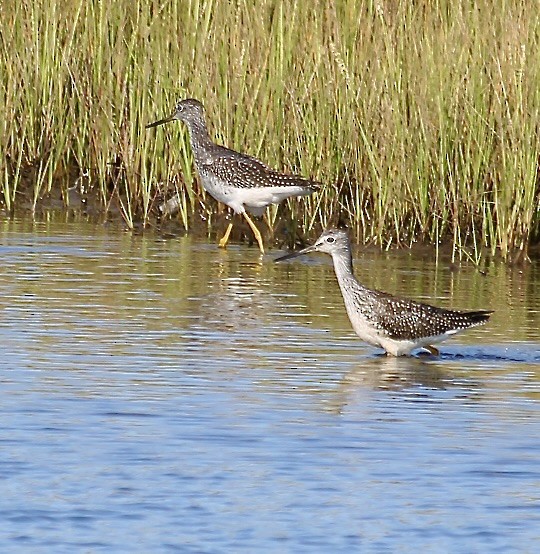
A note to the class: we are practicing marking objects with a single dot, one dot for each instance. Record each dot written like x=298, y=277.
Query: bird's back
x=244, y=171
x=405, y=319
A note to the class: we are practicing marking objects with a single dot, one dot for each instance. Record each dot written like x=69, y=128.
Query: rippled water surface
x=169, y=396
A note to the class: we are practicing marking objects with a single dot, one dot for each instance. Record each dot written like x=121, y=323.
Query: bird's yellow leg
x=432, y=350
x=224, y=240
x=256, y=232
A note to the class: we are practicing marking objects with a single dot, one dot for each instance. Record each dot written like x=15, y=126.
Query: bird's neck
x=199, y=137
x=343, y=263
x=343, y=268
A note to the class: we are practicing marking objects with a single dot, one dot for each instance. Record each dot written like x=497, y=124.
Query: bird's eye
x=330, y=240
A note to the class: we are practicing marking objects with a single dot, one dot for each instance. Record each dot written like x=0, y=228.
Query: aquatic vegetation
x=421, y=120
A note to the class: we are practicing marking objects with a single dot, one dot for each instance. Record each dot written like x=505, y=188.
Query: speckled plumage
x=240, y=181
x=396, y=324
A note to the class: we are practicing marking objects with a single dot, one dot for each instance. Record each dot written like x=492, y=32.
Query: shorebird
x=398, y=325
x=240, y=181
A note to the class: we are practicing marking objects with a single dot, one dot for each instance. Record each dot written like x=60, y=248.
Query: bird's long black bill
x=295, y=254
x=160, y=122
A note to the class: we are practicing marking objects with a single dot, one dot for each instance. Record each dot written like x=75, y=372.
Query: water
x=169, y=396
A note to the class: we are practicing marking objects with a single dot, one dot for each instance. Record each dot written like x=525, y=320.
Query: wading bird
x=396, y=324
x=240, y=181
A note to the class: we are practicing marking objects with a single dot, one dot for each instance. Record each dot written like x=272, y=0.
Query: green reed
x=420, y=119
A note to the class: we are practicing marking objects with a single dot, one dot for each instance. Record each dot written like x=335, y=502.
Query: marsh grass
x=420, y=117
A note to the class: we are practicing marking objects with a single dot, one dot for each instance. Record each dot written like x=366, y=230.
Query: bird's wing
x=405, y=319
x=249, y=172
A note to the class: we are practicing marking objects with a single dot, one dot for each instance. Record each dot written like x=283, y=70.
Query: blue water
x=168, y=396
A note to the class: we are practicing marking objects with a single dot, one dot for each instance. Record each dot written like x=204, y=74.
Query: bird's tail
x=479, y=316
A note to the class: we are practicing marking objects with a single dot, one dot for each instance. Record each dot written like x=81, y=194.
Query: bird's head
x=331, y=241
x=188, y=111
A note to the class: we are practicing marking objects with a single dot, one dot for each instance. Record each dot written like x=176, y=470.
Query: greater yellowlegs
x=240, y=181
x=396, y=324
